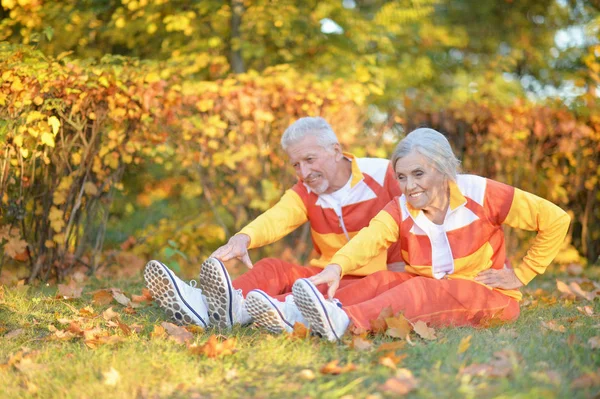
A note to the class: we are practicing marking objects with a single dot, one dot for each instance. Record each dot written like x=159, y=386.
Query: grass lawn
x=552, y=351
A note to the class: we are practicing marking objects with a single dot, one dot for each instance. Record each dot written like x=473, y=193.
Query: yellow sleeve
x=530, y=212
x=285, y=216
x=381, y=232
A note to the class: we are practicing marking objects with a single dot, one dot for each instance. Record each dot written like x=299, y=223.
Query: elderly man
x=336, y=192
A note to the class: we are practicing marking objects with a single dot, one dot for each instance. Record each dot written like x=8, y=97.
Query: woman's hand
x=236, y=247
x=330, y=275
x=504, y=278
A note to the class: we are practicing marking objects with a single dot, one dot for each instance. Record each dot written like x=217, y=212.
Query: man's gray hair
x=309, y=126
x=432, y=145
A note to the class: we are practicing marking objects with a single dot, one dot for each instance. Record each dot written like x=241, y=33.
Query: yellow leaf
x=90, y=188
x=48, y=139
x=38, y=100
x=55, y=123
x=103, y=81
x=465, y=343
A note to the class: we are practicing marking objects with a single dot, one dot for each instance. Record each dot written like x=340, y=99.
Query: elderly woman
x=449, y=227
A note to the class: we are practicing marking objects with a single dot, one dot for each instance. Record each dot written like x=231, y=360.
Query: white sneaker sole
x=161, y=283
x=216, y=286
x=265, y=314
x=309, y=303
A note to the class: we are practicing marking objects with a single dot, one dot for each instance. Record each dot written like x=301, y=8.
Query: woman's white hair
x=309, y=126
x=432, y=145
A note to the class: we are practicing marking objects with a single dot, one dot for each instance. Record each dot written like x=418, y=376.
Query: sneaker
x=271, y=314
x=183, y=302
x=325, y=317
x=225, y=304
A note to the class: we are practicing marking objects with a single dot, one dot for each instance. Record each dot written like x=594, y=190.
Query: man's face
x=315, y=165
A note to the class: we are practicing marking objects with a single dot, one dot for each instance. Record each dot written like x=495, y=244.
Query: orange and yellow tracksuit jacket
x=372, y=186
x=473, y=229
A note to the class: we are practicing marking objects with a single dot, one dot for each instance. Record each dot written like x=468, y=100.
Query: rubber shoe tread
x=161, y=283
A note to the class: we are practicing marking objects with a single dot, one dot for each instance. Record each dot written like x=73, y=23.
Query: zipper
x=342, y=225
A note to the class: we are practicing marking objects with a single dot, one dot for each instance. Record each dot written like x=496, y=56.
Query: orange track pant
x=276, y=277
x=437, y=302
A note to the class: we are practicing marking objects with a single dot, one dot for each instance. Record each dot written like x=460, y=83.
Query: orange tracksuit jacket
x=373, y=185
x=478, y=209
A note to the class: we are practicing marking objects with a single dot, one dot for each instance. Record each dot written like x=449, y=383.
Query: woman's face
x=423, y=185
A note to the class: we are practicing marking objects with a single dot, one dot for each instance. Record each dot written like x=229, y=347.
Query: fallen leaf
x=177, y=333
x=586, y=310
x=70, y=291
x=379, y=325
x=307, y=374
x=145, y=297
x=109, y=314
x=129, y=310
x=403, y=383
x=594, y=342
x=87, y=311
x=361, y=344
x=424, y=332
x=332, y=368
x=548, y=377
x=102, y=297
x=111, y=377
x=214, y=347
x=120, y=297
x=501, y=366
x=551, y=325
x=587, y=380
x=300, y=331
x=398, y=326
x=391, y=346
x=391, y=360
x=159, y=332
x=575, y=288
x=14, y=333
x=465, y=343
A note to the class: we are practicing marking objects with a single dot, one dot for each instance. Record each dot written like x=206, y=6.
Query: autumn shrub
x=71, y=128
x=546, y=149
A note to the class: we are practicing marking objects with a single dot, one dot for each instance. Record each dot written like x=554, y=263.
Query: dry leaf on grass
x=587, y=380
x=552, y=325
x=465, y=343
x=109, y=314
x=307, y=374
x=500, y=366
x=145, y=297
x=177, y=333
x=14, y=333
x=300, y=331
x=594, y=342
x=379, y=325
x=424, y=332
x=111, y=377
x=214, y=347
x=391, y=346
x=573, y=290
x=102, y=297
x=391, y=360
x=361, y=344
x=398, y=326
x=69, y=291
x=332, y=368
x=586, y=310
x=159, y=332
x=403, y=383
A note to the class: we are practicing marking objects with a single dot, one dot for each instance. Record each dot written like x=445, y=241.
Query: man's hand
x=236, y=247
x=331, y=276
x=505, y=278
